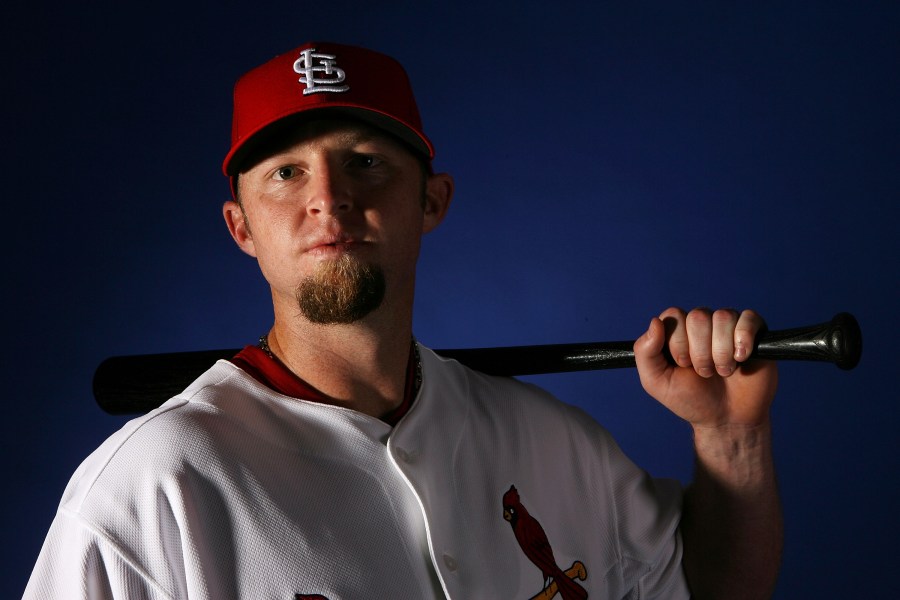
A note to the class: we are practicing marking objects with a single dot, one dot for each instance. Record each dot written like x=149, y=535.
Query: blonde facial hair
x=341, y=291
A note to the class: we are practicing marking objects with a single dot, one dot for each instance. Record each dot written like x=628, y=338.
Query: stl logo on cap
x=312, y=62
x=267, y=98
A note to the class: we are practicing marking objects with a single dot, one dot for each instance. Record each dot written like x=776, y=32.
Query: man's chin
x=343, y=290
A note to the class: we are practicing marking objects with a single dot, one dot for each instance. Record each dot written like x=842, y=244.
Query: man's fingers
x=710, y=342
x=748, y=325
x=648, y=355
x=724, y=322
x=649, y=346
x=676, y=336
x=699, y=334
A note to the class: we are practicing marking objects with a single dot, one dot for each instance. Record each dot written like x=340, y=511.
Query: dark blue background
x=611, y=159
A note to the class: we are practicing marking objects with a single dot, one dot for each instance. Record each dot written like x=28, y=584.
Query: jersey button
x=406, y=456
x=450, y=562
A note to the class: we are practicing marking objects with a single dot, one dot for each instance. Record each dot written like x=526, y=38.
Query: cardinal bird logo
x=536, y=546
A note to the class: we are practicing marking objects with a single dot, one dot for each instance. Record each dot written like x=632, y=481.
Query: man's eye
x=363, y=161
x=285, y=173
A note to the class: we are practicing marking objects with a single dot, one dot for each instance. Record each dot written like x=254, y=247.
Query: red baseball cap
x=321, y=76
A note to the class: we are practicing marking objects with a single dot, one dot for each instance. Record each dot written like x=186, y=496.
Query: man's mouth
x=333, y=246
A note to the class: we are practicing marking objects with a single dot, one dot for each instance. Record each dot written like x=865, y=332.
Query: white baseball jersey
x=231, y=490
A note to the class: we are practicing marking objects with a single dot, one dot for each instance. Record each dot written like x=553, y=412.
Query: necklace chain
x=264, y=346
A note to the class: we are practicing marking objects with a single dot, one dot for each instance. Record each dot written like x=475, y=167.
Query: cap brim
x=244, y=155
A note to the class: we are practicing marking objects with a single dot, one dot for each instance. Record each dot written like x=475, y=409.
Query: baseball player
x=340, y=458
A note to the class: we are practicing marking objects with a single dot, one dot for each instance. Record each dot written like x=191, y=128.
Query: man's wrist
x=735, y=456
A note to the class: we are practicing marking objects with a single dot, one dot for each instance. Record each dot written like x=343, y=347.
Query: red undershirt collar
x=272, y=373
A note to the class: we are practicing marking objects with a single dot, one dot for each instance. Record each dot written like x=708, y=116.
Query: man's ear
x=238, y=226
x=438, y=193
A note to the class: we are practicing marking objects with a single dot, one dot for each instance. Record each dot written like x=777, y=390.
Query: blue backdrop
x=611, y=159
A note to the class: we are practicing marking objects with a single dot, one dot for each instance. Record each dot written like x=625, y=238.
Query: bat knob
x=844, y=340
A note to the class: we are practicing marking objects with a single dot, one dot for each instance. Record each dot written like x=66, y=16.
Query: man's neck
x=361, y=366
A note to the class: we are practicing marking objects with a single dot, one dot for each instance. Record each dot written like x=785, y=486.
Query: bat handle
x=838, y=341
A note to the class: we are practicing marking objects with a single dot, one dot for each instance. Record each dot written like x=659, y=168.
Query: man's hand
x=731, y=522
x=709, y=385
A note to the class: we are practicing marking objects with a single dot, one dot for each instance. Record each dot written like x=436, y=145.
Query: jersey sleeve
x=78, y=562
x=647, y=514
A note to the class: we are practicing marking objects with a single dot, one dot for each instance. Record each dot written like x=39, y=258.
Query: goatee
x=341, y=291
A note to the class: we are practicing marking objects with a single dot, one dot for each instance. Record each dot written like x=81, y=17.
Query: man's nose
x=329, y=193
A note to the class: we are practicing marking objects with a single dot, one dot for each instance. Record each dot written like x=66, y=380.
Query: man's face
x=335, y=217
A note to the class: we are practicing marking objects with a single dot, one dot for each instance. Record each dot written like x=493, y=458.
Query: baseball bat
x=135, y=384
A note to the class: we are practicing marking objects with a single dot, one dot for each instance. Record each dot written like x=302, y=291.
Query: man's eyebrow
x=349, y=137
x=362, y=136
x=358, y=137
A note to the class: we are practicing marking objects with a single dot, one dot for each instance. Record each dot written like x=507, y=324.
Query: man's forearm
x=732, y=524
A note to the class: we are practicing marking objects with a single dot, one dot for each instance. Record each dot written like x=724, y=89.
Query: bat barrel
x=135, y=384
